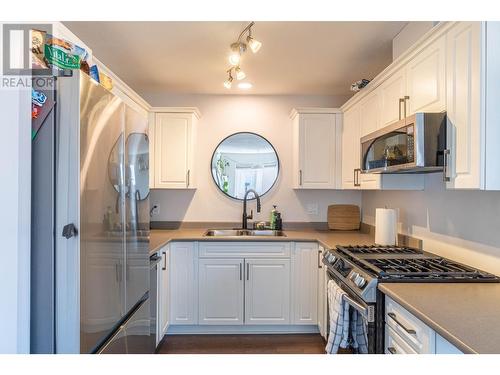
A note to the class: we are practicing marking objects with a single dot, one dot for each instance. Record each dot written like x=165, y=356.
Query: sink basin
x=244, y=233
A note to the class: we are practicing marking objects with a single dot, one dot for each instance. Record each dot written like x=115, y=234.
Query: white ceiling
x=300, y=58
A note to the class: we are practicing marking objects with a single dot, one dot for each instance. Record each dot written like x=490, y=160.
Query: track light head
x=254, y=44
x=240, y=74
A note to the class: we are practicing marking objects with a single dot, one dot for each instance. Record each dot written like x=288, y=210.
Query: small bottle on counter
x=272, y=221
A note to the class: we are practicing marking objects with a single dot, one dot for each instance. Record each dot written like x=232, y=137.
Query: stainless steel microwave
x=415, y=144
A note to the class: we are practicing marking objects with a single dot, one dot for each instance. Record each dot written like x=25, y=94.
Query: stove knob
x=360, y=281
x=354, y=276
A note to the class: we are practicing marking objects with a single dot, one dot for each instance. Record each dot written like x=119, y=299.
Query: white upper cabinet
x=316, y=148
x=351, y=149
x=172, y=148
x=473, y=113
x=392, y=92
x=370, y=113
x=426, y=80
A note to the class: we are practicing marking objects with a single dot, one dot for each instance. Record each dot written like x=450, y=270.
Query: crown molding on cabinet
x=122, y=88
x=194, y=110
x=295, y=111
x=429, y=37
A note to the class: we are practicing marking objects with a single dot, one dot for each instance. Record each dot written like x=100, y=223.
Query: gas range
x=361, y=268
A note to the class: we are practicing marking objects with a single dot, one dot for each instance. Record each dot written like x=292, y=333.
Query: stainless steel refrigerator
x=90, y=224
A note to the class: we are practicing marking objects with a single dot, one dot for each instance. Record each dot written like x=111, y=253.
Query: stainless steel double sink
x=244, y=233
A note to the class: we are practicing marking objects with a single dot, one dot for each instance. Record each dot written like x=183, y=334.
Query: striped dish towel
x=339, y=319
x=359, y=336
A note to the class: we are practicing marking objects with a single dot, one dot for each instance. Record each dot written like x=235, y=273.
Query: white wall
x=409, y=35
x=223, y=115
x=461, y=225
x=15, y=153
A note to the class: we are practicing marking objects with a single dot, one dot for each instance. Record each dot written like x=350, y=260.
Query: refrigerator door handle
x=69, y=231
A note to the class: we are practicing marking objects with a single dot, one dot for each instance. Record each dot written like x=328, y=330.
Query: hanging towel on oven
x=359, y=335
x=339, y=319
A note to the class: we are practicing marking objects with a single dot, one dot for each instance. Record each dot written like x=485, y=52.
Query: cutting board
x=343, y=217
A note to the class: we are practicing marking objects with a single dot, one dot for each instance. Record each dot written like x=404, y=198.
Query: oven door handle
x=361, y=309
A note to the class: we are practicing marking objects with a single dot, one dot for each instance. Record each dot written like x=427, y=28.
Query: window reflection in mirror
x=244, y=161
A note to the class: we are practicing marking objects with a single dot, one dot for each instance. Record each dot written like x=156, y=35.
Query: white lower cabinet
x=164, y=292
x=305, y=263
x=184, y=285
x=322, y=297
x=220, y=291
x=247, y=284
x=407, y=334
x=267, y=291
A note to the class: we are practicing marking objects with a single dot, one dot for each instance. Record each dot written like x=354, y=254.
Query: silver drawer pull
x=408, y=330
x=392, y=350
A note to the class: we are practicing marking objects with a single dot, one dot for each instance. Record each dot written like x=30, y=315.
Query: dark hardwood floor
x=242, y=344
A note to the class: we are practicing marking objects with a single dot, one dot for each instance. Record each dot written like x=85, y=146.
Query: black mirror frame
x=258, y=135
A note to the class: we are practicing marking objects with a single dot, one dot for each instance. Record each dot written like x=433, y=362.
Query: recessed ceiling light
x=244, y=85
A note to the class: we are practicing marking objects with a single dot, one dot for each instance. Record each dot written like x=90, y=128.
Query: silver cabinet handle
x=300, y=177
x=319, y=259
x=187, y=177
x=240, y=271
x=401, y=100
x=164, y=261
x=406, y=97
x=248, y=271
x=392, y=350
x=446, y=154
x=356, y=177
x=408, y=330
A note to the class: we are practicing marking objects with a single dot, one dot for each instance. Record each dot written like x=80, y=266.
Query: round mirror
x=134, y=174
x=245, y=161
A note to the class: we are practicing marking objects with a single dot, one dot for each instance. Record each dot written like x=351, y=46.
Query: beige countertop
x=329, y=239
x=466, y=314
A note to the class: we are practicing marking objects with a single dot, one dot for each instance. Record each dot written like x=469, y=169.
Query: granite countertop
x=328, y=239
x=466, y=314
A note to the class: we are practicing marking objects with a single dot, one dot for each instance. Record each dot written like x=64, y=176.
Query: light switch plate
x=312, y=208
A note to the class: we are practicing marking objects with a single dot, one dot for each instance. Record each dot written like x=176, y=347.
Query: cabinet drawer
x=244, y=249
x=394, y=344
x=411, y=329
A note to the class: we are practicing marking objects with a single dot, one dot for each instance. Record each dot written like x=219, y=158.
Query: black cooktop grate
x=425, y=268
x=373, y=250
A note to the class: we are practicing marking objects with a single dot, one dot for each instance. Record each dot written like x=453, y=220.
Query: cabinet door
x=305, y=263
x=220, y=291
x=317, y=151
x=184, y=283
x=426, y=80
x=464, y=106
x=391, y=91
x=370, y=113
x=322, y=297
x=350, y=148
x=172, y=149
x=164, y=292
x=267, y=291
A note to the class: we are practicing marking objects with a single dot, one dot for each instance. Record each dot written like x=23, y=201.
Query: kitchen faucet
x=244, y=223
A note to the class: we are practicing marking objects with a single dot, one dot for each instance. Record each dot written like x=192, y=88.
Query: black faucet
x=244, y=223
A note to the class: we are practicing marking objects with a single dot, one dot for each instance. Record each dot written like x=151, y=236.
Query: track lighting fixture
x=229, y=81
x=238, y=48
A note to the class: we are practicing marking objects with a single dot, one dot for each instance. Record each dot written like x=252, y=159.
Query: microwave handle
x=446, y=154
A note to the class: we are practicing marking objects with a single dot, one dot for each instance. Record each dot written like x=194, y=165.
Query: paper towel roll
x=386, y=226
